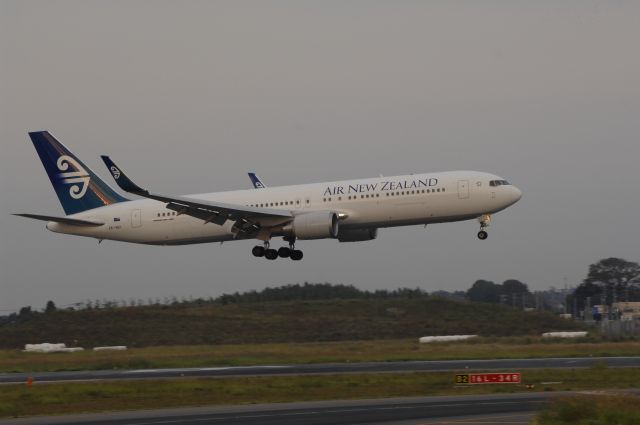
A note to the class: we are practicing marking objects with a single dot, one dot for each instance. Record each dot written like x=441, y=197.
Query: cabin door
x=463, y=189
x=136, y=218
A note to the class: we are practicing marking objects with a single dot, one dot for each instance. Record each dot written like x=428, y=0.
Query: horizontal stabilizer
x=63, y=220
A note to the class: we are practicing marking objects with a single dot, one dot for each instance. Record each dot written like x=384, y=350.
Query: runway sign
x=488, y=378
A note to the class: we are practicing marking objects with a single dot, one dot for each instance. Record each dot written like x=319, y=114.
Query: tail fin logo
x=115, y=172
x=79, y=175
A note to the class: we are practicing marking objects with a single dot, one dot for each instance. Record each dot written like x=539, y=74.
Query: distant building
x=629, y=310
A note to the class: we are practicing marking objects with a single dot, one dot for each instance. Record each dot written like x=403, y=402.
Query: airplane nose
x=517, y=194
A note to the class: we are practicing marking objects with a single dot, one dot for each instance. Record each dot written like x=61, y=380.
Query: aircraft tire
x=258, y=251
x=296, y=255
x=271, y=254
x=284, y=252
x=482, y=235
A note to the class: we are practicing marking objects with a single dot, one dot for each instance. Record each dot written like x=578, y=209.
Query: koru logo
x=115, y=172
x=80, y=175
x=259, y=185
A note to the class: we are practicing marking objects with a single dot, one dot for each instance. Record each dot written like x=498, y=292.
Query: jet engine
x=314, y=225
x=357, y=235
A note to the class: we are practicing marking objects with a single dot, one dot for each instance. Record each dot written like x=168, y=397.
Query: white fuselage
x=361, y=204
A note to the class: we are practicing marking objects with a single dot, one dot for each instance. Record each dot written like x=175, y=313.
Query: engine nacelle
x=357, y=235
x=314, y=225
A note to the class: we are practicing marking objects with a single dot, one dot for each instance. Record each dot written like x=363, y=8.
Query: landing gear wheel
x=258, y=251
x=482, y=235
x=296, y=255
x=271, y=254
x=284, y=252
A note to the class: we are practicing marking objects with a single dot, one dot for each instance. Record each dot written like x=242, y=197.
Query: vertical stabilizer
x=78, y=188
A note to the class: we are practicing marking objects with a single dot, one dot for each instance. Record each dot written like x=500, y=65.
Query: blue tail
x=77, y=187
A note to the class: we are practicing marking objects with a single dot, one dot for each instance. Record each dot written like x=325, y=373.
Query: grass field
x=584, y=410
x=320, y=352
x=47, y=399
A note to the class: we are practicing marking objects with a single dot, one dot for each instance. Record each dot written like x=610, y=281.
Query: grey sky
x=188, y=96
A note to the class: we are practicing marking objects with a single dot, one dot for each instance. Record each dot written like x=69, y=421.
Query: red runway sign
x=489, y=378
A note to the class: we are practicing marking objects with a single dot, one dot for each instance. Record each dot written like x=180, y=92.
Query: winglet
x=257, y=183
x=121, y=179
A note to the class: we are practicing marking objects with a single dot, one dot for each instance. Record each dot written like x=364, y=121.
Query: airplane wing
x=62, y=220
x=248, y=220
x=255, y=180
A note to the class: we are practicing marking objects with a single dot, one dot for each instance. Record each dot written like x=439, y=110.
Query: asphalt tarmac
x=399, y=411
x=325, y=368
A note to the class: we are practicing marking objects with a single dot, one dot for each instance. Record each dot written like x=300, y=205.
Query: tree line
x=608, y=281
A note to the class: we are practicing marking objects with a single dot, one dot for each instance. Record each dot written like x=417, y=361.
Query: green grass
x=592, y=410
x=48, y=399
x=301, y=353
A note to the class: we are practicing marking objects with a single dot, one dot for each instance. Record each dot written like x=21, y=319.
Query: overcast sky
x=188, y=96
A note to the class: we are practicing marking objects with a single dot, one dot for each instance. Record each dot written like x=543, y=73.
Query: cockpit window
x=499, y=183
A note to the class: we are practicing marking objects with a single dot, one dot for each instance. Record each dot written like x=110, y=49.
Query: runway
x=324, y=368
x=397, y=411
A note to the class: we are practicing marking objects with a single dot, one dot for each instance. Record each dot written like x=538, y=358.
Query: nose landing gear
x=485, y=220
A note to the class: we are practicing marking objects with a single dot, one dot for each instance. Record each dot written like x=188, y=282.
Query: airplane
x=348, y=211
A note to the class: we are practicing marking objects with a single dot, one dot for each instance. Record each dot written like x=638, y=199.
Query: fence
x=620, y=328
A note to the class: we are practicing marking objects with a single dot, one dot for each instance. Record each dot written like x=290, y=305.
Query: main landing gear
x=485, y=220
x=284, y=252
